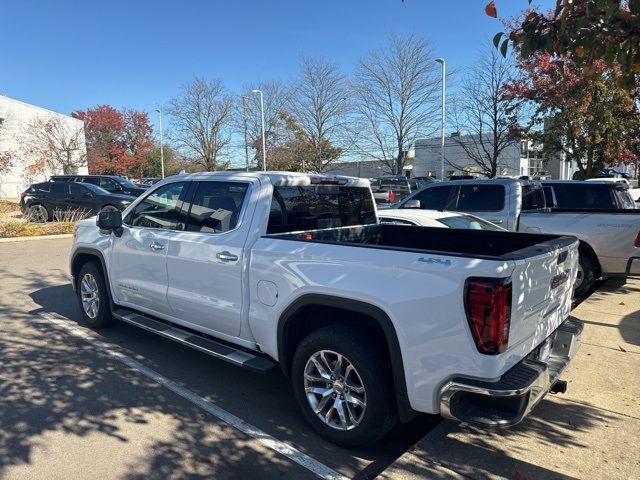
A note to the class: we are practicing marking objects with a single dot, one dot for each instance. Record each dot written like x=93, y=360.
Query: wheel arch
x=585, y=249
x=289, y=336
x=84, y=255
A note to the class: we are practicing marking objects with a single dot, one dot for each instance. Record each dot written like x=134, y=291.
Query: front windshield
x=468, y=222
x=96, y=189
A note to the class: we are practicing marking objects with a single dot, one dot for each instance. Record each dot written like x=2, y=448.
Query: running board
x=239, y=358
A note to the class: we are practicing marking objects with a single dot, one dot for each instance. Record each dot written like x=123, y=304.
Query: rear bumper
x=509, y=400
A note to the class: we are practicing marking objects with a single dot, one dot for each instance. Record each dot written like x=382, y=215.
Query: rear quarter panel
x=421, y=293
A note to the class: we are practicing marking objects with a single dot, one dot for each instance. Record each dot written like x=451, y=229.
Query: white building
x=16, y=120
x=518, y=159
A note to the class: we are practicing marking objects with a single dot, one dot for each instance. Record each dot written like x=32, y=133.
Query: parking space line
x=267, y=440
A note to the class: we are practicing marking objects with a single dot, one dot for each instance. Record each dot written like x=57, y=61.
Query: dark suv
x=110, y=183
x=44, y=201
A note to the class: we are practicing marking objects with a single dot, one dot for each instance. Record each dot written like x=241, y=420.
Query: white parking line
x=288, y=451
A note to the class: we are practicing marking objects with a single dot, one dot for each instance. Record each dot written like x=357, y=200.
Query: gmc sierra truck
x=372, y=322
x=600, y=215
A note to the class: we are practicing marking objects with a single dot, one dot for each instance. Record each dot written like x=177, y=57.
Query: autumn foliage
x=117, y=141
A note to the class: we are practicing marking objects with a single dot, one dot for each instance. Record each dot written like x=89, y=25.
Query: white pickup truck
x=372, y=322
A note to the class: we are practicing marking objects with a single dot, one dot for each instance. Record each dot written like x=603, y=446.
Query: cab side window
x=216, y=207
x=161, y=209
x=108, y=184
x=435, y=198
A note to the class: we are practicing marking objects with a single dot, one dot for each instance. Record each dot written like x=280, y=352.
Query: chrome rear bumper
x=509, y=400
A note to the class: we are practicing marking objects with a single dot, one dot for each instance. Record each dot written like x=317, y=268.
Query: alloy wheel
x=335, y=390
x=90, y=295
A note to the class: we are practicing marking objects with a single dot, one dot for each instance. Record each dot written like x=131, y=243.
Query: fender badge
x=435, y=261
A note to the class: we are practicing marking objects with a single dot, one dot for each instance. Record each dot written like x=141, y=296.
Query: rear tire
x=38, y=213
x=93, y=297
x=353, y=404
x=586, y=276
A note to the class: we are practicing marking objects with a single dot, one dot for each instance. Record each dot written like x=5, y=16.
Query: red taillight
x=488, y=307
x=392, y=196
x=637, y=242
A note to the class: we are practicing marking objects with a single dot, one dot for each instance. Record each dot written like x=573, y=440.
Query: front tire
x=93, y=297
x=343, y=384
x=38, y=213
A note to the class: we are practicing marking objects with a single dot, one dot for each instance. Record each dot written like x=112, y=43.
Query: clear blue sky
x=67, y=55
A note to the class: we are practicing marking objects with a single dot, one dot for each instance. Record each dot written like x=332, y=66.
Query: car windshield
x=96, y=189
x=125, y=183
x=468, y=222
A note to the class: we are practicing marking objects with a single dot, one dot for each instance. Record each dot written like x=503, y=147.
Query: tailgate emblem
x=559, y=279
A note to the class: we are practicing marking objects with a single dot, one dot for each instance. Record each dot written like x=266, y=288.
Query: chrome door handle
x=497, y=222
x=156, y=247
x=226, y=256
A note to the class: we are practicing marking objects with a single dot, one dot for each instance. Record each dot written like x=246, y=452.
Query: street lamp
x=159, y=110
x=444, y=72
x=264, y=144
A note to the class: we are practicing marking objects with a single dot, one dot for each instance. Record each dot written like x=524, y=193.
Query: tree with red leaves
x=587, y=115
x=117, y=141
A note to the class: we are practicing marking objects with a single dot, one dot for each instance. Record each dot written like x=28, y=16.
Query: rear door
x=205, y=262
x=138, y=270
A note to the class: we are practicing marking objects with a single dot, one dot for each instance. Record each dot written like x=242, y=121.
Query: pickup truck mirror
x=411, y=204
x=110, y=222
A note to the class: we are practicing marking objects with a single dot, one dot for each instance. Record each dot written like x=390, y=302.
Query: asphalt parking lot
x=123, y=403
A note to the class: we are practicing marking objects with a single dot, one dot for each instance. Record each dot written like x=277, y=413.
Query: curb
x=39, y=237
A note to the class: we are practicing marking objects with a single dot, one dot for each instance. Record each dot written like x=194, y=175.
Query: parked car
x=43, y=201
x=110, y=183
x=371, y=324
x=608, y=233
x=462, y=177
x=434, y=218
x=147, y=182
x=388, y=190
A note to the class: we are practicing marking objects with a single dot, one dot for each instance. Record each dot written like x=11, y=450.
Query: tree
x=586, y=30
x=277, y=96
x=200, y=117
x=171, y=164
x=117, y=141
x=395, y=92
x=320, y=108
x=54, y=145
x=487, y=113
x=588, y=116
x=6, y=157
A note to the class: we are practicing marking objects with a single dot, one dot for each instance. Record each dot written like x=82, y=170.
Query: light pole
x=244, y=121
x=264, y=143
x=444, y=73
x=159, y=110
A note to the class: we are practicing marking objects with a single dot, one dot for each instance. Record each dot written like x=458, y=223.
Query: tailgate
x=542, y=283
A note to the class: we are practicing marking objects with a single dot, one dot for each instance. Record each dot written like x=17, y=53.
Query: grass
x=22, y=228
x=8, y=207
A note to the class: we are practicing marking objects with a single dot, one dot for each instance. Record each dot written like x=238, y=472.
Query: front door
x=138, y=270
x=205, y=262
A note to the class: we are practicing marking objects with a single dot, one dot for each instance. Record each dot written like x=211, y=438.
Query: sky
x=69, y=55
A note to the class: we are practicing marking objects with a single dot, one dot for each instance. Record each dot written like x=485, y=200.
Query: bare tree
x=6, y=156
x=54, y=144
x=396, y=92
x=485, y=115
x=200, y=119
x=320, y=107
x=276, y=103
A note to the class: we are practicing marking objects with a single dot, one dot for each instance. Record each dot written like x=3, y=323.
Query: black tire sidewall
x=368, y=358
x=588, y=276
x=103, y=318
x=33, y=205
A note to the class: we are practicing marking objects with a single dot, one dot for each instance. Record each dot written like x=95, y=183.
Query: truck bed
x=492, y=245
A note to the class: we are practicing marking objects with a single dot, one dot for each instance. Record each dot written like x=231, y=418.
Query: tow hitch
x=560, y=386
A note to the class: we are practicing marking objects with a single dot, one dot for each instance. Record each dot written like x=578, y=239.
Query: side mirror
x=110, y=222
x=411, y=204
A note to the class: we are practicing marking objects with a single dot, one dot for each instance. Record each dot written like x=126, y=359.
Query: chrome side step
x=225, y=352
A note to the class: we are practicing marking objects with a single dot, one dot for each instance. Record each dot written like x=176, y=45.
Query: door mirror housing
x=110, y=222
x=411, y=204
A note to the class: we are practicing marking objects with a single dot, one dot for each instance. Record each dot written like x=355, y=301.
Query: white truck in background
x=372, y=322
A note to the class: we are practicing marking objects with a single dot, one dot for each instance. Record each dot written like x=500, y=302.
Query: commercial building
x=17, y=120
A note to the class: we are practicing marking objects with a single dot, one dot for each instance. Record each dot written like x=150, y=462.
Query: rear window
x=319, y=206
x=533, y=197
x=480, y=198
x=587, y=196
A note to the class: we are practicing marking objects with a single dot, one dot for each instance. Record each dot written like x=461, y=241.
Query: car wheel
x=109, y=208
x=343, y=384
x=93, y=296
x=586, y=276
x=38, y=213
